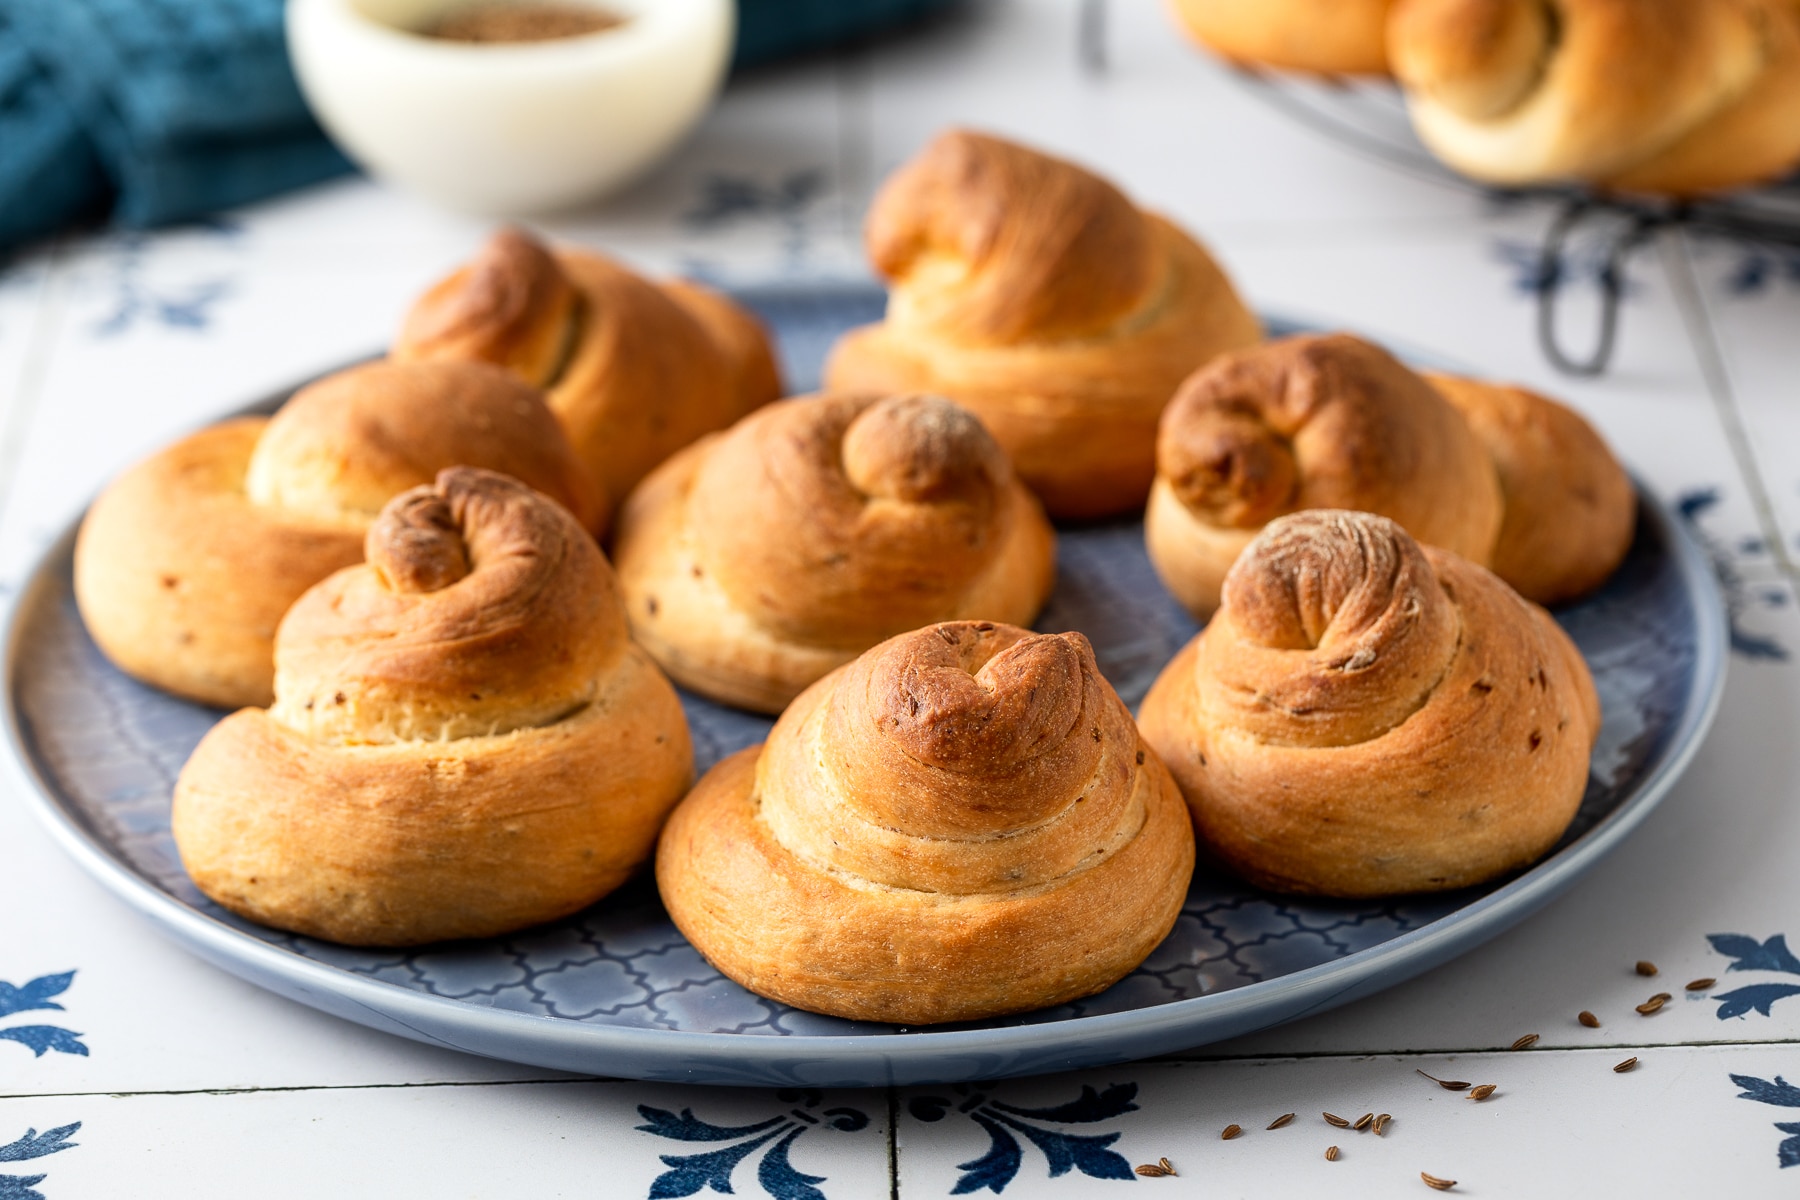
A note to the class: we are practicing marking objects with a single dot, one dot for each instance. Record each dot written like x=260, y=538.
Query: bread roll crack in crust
x=758, y=560
x=1365, y=716
x=464, y=740
x=962, y=823
x=1038, y=296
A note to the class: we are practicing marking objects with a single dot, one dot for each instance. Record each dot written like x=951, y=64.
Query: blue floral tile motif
x=1748, y=954
x=1780, y=1092
x=1063, y=1151
x=1585, y=262
x=32, y=1145
x=691, y=1173
x=1740, y=597
x=34, y=996
x=1761, y=270
x=138, y=299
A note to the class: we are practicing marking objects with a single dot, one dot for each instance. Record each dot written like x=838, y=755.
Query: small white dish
x=515, y=128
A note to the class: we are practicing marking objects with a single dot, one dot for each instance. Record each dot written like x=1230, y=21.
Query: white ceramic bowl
x=515, y=128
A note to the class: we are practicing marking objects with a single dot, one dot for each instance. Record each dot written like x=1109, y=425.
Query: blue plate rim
x=884, y=1058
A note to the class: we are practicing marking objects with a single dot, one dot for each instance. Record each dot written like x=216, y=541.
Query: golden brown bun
x=464, y=740
x=1570, y=508
x=186, y=562
x=1037, y=296
x=1671, y=96
x=634, y=370
x=759, y=559
x=1365, y=716
x=960, y=824
x=1309, y=422
x=1327, y=37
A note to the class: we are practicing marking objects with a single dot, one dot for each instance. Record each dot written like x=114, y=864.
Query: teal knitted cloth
x=154, y=111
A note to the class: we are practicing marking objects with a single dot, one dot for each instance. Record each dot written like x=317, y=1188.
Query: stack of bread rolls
x=1671, y=97
x=455, y=716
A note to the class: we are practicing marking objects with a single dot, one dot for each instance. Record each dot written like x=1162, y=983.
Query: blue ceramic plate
x=617, y=991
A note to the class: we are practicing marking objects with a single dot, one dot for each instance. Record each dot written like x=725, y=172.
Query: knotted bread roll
x=635, y=370
x=960, y=824
x=1327, y=37
x=1502, y=476
x=1040, y=298
x=759, y=559
x=186, y=562
x=464, y=740
x=1365, y=716
x=1662, y=96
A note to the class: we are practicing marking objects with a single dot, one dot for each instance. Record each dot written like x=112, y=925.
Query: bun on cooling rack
x=1037, y=296
x=1676, y=97
x=758, y=559
x=1327, y=37
x=464, y=740
x=1365, y=716
x=187, y=561
x=1502, y=476
x=635, y=370
x=961, y=823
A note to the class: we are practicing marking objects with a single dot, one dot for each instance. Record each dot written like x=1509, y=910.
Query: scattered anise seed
x=1449, y=1085
x=1525, y=1043
x=1152, y=1170
x=1700, y=985
x=1380, y=1125
x=1166, y=1165
x=1589, y=1019
x=1646, y=969
x=1334, y=1119
x=1283, y=1119
x=1625, y=1066
x=1663, y=996
x=1484, y=1091
x=1652, y=1005
x=1231, y=1131
x=1363, y=1122
x=1432, y=1181
x=1331, y=1153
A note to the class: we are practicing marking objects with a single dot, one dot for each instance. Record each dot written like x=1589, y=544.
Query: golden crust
x=1036, y=295
x=1571, y=510
x=1366, y=717
x=759, y=559
x=960, y=824
x=1309, y=422
x=464, y=741
x=634, y=370
x=1326, y=37
x=1680, y=97
x=187, y=561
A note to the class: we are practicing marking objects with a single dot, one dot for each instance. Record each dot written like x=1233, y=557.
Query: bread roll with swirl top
x=1666, y=96
x=759, y=559
x=464, y=739
x=1325, y=37
x=187, y=561
x=635, y=370
x=1040, y=298
x=1309, y=422
x=960, y=824
x=1365, y=716
x=1500, y=475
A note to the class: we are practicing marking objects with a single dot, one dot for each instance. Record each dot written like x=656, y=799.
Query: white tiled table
x=188, y=1083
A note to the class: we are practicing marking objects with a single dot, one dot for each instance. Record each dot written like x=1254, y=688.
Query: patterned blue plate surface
x=617, y=991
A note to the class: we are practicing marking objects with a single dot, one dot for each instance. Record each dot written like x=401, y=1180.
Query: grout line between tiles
x=318, y=1087
x=1692, y=303
x=15, y=417
x=893, y=1142
x=1464, y=1052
